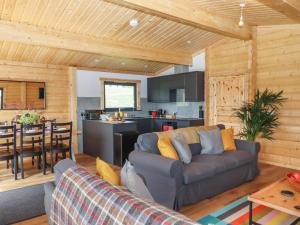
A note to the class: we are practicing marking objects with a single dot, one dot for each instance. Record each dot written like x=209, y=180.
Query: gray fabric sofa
x=175, y=184
x=49, y=187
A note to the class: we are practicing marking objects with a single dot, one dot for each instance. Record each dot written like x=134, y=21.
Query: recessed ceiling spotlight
x=123, y=63
x=134, y=23
x=146, y=66
x=97, y=60
x=189, y=41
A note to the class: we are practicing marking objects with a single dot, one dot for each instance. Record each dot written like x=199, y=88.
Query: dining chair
x=60, y=141
x=32, y=144
x=8, y=147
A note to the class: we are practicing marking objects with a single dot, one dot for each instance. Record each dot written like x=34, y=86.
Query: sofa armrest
x=155, y=163
x=61, y=167
x=250, y=146
x=162, y=176
x=48, y=188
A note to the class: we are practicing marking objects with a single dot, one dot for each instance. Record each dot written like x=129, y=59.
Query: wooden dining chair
x=60, y=141
x=32, y=140
x=8, y=147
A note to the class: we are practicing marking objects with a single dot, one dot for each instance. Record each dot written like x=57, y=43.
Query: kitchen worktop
x=162, y=118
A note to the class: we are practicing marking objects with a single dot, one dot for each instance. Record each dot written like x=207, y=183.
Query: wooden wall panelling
x=57, y=91
x=278, y=56
x=228, y=73
x=271, y=60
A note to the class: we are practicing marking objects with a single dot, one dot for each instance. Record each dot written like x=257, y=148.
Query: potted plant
x=260, y=116
x=28, y=118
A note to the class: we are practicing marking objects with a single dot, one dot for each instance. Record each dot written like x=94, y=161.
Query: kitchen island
x=98, y=137
x=103, y=139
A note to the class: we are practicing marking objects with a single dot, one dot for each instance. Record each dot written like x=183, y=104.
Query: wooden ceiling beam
x=183, y=11
x=289, y=8
x=111, y=70
x=32, y=35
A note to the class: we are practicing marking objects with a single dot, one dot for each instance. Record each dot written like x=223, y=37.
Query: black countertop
x=163, y=118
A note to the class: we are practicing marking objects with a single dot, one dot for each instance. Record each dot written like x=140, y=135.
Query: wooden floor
x=269, y=174
x=33, y=175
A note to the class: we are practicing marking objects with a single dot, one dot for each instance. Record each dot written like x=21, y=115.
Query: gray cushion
x=226, y=160
x=148, y=143
x=195, y=171
x=195, y=148
x=182, y=148
x=204, y=166
x=211, y=141
x=134, y=182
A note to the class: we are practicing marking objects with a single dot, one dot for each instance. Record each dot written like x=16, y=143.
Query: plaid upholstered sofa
x=78, y=197
x=175, y=184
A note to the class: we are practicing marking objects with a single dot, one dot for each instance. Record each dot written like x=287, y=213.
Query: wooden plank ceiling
x=164, y=41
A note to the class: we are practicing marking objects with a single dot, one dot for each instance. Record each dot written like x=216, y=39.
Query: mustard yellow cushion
x=166, y=148
x=107, y=173
x=228, y=139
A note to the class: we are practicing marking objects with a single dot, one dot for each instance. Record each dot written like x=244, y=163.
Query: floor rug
x=21, y=204
x=237, y=213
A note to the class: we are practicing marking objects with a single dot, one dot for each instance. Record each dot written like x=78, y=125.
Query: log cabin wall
x=228, y=70
x=272, y=61
x=59, y=85
x=278, y=68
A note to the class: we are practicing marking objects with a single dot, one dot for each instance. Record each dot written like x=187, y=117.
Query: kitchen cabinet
x=162, y=89
x=194, y=87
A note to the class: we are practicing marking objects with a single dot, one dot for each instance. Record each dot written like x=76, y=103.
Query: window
x=1, y=98
x=119, y=95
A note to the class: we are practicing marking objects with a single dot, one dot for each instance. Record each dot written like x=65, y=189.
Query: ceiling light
x=97, y=60
x=134, y=22
x=146, y=66
x=189, y=41
x=241, y=22
x=123, y=63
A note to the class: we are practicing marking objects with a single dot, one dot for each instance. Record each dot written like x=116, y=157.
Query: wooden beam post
x=73, y=106
x=32, y=35
x=185, y=12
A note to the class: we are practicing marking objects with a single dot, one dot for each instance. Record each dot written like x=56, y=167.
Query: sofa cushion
x=195, y=148
x=195, y=171
x=211, y=141
x=148, y=143
x=182, y=148
x=226, y=160
x=204, y=166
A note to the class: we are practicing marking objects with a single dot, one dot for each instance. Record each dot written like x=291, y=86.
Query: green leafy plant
x=28, y=118
x=260, y=116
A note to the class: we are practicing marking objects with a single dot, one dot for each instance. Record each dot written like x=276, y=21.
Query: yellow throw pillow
x=106, y=172
x=166, y=148
x=228, y=139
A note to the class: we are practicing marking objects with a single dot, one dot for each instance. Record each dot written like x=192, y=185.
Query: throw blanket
x=83, y=198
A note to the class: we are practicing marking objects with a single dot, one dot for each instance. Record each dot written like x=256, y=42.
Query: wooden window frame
x=136, y=83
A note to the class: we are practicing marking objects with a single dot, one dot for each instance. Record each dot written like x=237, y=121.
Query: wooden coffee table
x=271, y=197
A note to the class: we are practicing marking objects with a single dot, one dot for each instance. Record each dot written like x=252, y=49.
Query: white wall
x=198, y=63
x=88, y=84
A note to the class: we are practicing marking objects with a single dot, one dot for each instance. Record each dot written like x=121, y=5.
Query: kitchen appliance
x=91, y=114
x=201, y=112
x=170, y=125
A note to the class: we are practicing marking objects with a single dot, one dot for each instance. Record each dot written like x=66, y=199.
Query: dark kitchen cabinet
x=153, y=90
x=162, y=89
x=194, y=86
